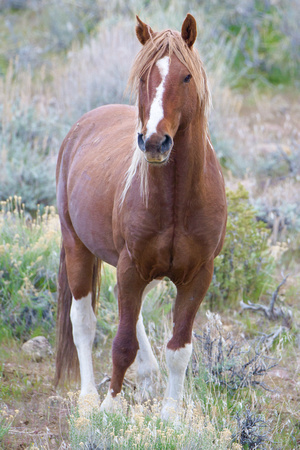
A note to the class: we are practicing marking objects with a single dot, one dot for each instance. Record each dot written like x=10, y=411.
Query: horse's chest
x=171, y=252
x=151, y=252
x=173, y=240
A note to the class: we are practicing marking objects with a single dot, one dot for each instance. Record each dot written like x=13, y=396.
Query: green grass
x=6, y=421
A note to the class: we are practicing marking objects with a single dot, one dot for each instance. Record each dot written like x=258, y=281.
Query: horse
x=140, y=188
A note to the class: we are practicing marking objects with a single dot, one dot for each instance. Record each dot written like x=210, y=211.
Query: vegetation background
x=59, y=59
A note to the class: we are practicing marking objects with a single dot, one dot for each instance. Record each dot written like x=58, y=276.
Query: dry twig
x=271, y=311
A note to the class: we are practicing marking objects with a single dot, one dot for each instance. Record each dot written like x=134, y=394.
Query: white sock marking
x=84, y=326
x=177, y=361
x=146, y=361
x=109, y=403
x=157, y=110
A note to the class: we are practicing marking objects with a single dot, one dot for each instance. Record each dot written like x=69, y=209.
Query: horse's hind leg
x=80, y=263
x=147, y=366
x=179, y=348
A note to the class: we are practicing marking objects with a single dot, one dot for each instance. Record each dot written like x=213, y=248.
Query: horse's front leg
x=179, y=348
x=146, y=364
x=125, y=344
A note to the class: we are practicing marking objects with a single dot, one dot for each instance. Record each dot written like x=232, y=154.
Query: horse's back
x=92, y=163
x=107, y=130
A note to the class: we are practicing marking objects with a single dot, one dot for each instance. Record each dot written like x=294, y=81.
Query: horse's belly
x=91, y=220
x=98, y=240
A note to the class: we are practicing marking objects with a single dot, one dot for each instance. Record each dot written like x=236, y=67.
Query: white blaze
x=157, y=110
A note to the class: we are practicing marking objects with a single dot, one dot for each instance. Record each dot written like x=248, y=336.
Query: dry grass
x=97, y=72
x=140, y=426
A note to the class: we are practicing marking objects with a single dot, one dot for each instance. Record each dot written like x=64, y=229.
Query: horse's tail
x=67, y=364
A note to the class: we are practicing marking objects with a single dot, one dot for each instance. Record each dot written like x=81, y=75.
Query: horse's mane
x=161, y=43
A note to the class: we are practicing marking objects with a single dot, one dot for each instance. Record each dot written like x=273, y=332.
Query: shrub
x=54, y=26
x=244, y=267
x=220, y=359
x=29, y=253
x=30, y=133
x=258, y=38
x=251, y=430
x=28, y=159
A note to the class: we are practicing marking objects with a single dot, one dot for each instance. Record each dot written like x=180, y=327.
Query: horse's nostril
x=166, y=143
x=141, y=142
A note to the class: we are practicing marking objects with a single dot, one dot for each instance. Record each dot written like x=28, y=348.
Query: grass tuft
x=140, y=426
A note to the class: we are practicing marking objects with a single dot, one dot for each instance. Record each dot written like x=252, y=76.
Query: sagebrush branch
x=270, y=311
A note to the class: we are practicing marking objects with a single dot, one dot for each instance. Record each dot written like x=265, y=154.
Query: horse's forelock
x=170, y=42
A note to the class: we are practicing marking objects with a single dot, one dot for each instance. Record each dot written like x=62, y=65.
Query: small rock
x=280, y=373
x=55, y=400
x=37, y=348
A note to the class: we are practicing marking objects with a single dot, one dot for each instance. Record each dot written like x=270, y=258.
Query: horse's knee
x=124, y=350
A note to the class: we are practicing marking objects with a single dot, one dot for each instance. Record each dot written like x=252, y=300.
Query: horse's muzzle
x=155, y=148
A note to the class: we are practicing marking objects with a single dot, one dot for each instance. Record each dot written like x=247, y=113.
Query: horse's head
x=167, y=92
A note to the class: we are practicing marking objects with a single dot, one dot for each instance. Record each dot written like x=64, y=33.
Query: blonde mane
x=162, y=43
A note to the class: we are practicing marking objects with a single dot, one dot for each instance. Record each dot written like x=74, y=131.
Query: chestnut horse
x=153, y=205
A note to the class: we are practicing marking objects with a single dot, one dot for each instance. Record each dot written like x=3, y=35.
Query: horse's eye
x=187, y=78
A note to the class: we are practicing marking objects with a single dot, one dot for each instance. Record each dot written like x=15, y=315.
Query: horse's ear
x=189, y=30
x=143, y=31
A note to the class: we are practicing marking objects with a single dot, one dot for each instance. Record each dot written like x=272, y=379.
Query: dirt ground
x=42, y=412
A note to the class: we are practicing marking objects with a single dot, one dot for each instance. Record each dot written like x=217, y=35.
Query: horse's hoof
x=145, y=389
x=88, y=403
x=170, y=411
x=142, y=396
x=111, y=404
